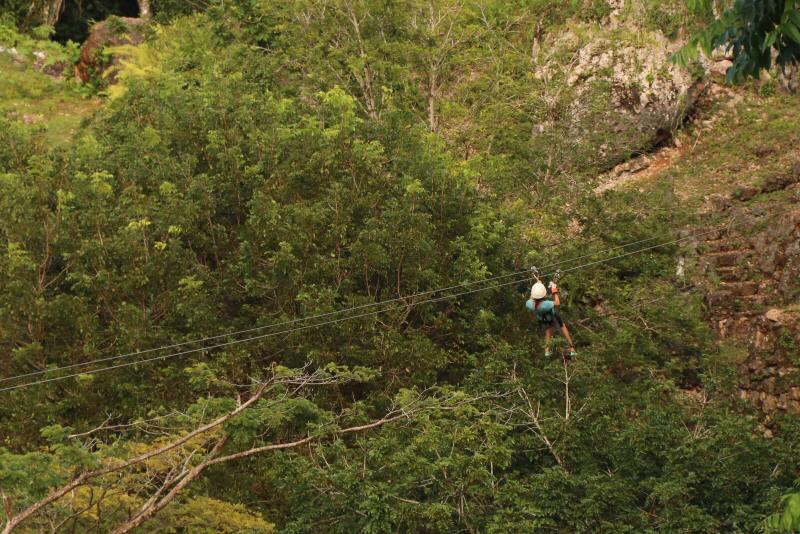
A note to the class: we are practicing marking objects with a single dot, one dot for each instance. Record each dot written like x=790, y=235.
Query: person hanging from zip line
x=546, y=312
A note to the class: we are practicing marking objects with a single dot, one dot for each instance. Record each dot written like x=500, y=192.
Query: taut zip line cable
x=255, y=338
x=312, y=317
x=350, y=317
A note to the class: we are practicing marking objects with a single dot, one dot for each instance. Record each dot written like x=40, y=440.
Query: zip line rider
x=547, y=315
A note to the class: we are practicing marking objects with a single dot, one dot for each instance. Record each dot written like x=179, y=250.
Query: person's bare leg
x=548, y=336
x=565, y=331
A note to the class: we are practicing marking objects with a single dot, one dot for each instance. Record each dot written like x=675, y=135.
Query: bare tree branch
x=213, y=460
x=15, y=521
x=185, y=474
x=6, y=504
x=535, y=418
x=149, y=510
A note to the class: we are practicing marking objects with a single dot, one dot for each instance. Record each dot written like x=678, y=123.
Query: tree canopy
x=260, y=163
x=758, y=34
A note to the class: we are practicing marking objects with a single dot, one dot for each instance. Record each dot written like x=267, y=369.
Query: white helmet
x=538, y=291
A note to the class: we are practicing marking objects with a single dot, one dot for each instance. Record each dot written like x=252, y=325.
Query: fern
x=135, y=61
x=787, y=521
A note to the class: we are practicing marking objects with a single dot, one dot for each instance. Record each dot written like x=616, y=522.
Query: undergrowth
x=57, y=103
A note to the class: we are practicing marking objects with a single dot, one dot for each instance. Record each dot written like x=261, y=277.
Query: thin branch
x=6, y=504
x=567, y=398
x=14, y=522
x=147, y=512
x=535, y=418
x=213, y=460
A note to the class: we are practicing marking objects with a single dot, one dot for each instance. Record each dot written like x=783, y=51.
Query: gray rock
x=769, y=385
x=32, y=118
x=746, y=193
x=719, y=202
x=783, y=180
x=774, y=315
x=720, y=67
x=647, y=93
x=756, y=365
x=744, y=381
x=741, y=289
x=770, y=256
x=789, y=78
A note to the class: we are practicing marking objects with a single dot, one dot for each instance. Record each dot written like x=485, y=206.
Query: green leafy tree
x=757, y=33
x=264, y=162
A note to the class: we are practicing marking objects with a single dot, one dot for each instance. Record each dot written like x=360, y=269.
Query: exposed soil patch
x=643, y=167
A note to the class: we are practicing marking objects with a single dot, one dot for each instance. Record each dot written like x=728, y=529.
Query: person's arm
x=554, y=291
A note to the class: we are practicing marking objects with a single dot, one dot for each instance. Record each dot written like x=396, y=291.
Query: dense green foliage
x=758, y=33
x=38, y=40
x=789, y=519
x=267, y=161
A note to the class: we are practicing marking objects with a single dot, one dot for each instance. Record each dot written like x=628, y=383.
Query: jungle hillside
x=267, y=266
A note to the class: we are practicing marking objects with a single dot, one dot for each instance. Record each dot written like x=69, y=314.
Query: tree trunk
x=144, y=9
x=366, y=81
x=432, y=123
x=45, y=12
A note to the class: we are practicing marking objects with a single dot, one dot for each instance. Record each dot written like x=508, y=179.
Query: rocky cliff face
x=644, y=88
x=622, y=87
x=751, y=274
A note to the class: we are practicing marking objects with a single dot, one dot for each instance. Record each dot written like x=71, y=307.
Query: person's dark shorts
x=556, y=323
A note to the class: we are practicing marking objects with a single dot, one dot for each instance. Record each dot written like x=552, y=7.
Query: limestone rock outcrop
x=114, y=31
x=645, y=90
